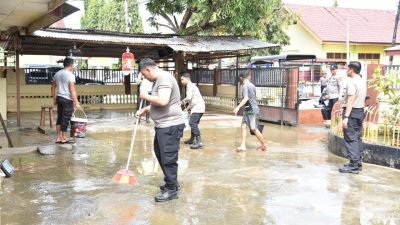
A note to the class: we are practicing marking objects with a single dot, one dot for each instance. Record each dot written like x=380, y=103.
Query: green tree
x=110, y=15
x=265, y=19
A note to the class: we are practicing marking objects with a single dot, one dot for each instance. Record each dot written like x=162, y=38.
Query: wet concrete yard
x=296, y=182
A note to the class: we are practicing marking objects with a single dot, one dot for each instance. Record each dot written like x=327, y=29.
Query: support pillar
x=237, y=82
x=127, y=84
x=5, y=66
x=217, y=73
x=18, y=84
x=292, y=88
x=179, y=69
x=17, y=47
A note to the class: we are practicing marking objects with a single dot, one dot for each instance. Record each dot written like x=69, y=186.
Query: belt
x=355, y=108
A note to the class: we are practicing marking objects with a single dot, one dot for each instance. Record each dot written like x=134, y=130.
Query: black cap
x=334, y=67
x=355, y=65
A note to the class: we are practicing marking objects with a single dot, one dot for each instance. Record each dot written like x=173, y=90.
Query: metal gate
x=277, y=93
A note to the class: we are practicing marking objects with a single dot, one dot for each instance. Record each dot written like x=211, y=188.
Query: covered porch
x=176, y=54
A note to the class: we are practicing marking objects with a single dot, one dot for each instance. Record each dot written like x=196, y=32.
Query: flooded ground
x=296, y=182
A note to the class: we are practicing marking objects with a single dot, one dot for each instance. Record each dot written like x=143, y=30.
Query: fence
x=104, y=75
x=83, y=76
x=385, y=133
x=261, y=77
x=393, y=69
x=203, y=76
x=271, y=83
x=277, y=90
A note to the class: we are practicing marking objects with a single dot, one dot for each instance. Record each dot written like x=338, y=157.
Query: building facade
x=323, y=31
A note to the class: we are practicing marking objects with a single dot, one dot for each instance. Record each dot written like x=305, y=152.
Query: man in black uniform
x=353, y=116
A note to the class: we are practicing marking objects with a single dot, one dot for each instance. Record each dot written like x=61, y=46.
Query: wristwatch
x=346, y=117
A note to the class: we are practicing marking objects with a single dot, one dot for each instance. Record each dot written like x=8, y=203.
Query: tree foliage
x=264, y=19
x=387, y=86
x=110, y=15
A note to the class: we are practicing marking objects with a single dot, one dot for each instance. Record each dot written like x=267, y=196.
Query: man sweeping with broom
x=165, y=110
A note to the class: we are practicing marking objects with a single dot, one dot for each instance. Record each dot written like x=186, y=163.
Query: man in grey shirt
x=197, y=108
x=251, y=112
x=353, y=116
x=165, y=110
x=65, y=99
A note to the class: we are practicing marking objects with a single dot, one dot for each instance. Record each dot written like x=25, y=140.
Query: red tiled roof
x=329, y=23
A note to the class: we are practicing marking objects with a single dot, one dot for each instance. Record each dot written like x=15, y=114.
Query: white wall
x=3, y=97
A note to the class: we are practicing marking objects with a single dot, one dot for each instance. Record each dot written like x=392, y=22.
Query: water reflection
x=296, y=182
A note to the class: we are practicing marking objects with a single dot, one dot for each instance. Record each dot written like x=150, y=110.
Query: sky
x=72, y=21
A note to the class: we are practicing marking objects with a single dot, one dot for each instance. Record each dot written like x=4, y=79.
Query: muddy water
x=296, y=182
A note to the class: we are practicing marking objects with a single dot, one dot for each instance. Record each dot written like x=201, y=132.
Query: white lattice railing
x=222, y=102
x=108, y=99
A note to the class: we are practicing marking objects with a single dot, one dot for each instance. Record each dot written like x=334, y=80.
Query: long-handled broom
x=126, y=176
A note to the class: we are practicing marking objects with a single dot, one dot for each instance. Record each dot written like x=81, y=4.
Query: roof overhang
x=28, y=16
x=395, y=50
x=286, y=57
x=111, y=44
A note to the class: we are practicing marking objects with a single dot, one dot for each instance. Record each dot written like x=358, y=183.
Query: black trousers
x=330, y=106
x=194, y=124
x=352, y=136
x=166, y=148
x=65, y=108
x=322, y=88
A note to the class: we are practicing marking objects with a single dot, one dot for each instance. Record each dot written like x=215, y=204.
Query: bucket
x=78, y=125
x=325, y=113
x=186, y=117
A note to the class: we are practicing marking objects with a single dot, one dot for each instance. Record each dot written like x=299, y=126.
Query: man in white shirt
x=197, y=108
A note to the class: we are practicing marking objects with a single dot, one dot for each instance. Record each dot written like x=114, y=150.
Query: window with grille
x=336, y=55
x=369, y=56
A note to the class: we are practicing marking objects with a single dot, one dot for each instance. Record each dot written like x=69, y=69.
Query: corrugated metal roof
x=190, y=44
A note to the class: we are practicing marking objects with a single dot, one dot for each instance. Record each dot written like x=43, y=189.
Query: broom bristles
x=125, y=177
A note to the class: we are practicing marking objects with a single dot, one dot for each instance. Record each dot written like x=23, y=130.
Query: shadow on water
x=296, y=182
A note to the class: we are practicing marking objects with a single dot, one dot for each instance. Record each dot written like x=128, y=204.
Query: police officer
x=323, y=81
x=165, y=110
x=353, y=116
x=334, y=91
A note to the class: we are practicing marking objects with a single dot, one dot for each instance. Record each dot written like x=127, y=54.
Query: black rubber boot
x=350, y=168
x=166, y=196
x=359, y=165
x=188, y=141
x=197, y=143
